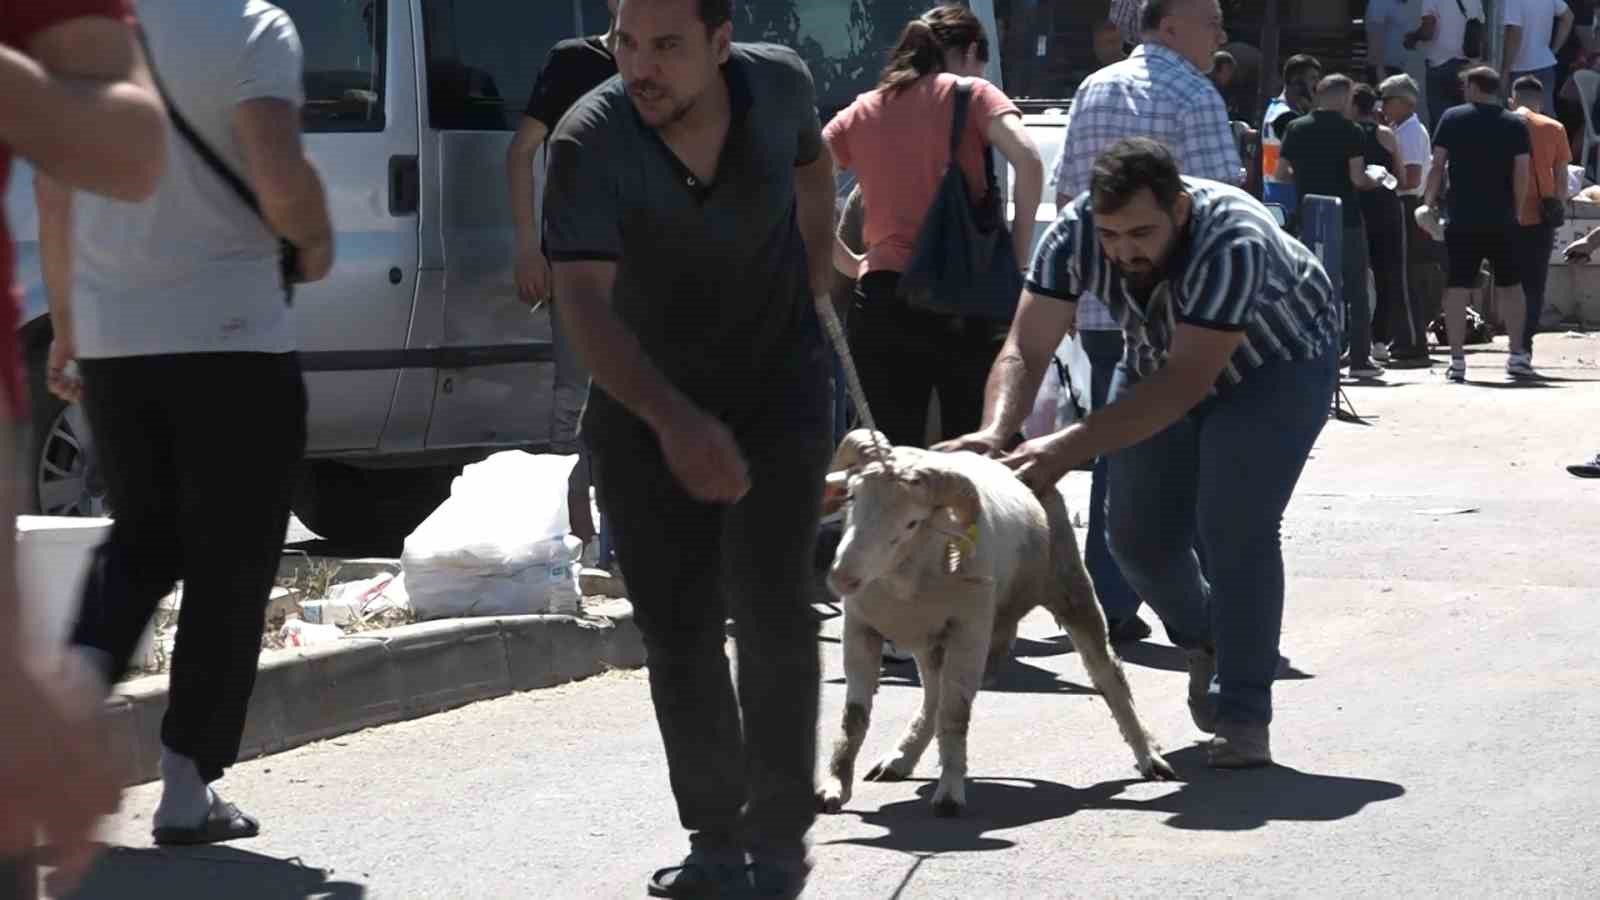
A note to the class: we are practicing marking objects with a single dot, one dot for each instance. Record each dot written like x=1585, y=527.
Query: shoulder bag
x=288, y=253
x=963, y=263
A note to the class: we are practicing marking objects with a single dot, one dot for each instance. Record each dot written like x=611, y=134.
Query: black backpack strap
x=219, y=167
x=958, y=116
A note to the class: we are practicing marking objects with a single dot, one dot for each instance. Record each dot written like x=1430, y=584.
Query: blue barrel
x=1322, y=230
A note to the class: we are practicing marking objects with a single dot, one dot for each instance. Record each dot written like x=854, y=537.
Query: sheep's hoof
x=1158, y=769
x=885, y=771
x=948, y=808
x=831, y=800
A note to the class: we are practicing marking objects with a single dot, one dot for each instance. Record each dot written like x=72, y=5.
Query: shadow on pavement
x=1167, y=658
x=1211, y=801
x=992, y=806
x=1215, y=800
x=221, y=872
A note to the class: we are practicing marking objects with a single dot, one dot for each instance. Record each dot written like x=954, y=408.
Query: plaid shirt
x=1125, y=15
x=1154, y=93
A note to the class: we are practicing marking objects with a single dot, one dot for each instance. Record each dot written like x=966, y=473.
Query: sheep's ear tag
x=963, y=546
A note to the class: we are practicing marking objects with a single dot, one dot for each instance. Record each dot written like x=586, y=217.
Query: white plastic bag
x=1047, y=405
x=298, y=633
x=1064, y=391
x=499, y=546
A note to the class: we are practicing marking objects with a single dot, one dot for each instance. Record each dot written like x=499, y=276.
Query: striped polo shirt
x=1234, y=269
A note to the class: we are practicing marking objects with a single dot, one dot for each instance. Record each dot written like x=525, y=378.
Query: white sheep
x=943, y=554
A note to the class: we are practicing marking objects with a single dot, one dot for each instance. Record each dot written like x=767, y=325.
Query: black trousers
x=1392, y=319
x=903, y=354
x=1424, y=286
x=1535, y=243
x=199, y=454
x=690, y=565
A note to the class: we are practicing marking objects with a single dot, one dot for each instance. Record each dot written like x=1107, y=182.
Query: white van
x=418, y=354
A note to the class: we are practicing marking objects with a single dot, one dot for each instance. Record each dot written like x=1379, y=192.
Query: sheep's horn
x=856, y=444
x=953, y=491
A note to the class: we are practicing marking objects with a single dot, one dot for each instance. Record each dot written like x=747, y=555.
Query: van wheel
x=62, y=469
x=370, y=508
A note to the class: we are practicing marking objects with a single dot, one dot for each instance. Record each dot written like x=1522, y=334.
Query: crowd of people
x=702, y=181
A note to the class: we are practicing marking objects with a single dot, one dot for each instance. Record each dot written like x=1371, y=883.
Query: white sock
x=185, y=797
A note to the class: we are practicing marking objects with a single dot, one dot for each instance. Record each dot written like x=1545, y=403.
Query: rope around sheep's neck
x=961, y=545
x=879, y=449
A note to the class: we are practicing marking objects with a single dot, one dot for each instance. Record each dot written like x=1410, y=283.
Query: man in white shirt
x=1442, y=33
x=1424, y=278
x=1387, y=23
x=175, y=311
x=1535, y=31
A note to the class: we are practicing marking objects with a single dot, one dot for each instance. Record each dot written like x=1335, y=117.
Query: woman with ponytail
x=896, y=140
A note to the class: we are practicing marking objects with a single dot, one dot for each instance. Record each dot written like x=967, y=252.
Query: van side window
x=484, y=57
x=344, y=45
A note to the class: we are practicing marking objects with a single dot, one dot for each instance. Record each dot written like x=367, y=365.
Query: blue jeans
x=1117, y=599
x=1224, y=474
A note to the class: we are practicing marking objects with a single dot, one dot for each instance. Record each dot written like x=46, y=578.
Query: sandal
x=223, y=823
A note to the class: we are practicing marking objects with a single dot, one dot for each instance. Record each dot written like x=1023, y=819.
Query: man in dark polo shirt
x=1487, y=153
x=573, y=68
x=690, y=220
x=1323, y=153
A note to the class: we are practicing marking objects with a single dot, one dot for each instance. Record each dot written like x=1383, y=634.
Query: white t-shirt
x=192, y=269
x=1394, y=18
x=1451, y=28
x=1537, y=19
x=1415, y=150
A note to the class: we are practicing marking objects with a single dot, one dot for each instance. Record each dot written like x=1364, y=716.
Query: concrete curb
x=314, y=693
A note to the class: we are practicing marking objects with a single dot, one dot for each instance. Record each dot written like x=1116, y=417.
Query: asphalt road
x=1431, y=729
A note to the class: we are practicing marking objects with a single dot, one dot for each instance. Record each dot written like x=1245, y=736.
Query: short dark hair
x=1365, y=98
x=1484, y=78
x=1223, y=58
x=1335, y=84
x=715, y=13
x=1298, y=65
x=1130, y=166
x=1528, y=86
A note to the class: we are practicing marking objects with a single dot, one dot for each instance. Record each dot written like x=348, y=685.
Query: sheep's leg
x=1071, y=599
x=1087, y=626
x=1000, y=645
x=898, y=766
x=962, y=675
x=863, y=659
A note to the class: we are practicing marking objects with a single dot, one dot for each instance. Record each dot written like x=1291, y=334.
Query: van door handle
x=405, y=185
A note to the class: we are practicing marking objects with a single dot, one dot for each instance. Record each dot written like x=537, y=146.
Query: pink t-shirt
x=898, y=147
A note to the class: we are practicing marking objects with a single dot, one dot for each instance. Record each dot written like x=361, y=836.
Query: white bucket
x=52, y=561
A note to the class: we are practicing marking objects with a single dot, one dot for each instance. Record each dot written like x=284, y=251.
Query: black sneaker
x=1127, y=631
x=778, y=881
x=702, y=876
x=1590, y=469
x=1239, y=746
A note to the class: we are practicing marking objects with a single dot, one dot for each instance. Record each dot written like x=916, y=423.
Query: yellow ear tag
x=961, y=547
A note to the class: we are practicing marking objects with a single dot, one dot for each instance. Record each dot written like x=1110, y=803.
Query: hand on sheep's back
x=1041, y=463
x=705, y=457
x=983, y=443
